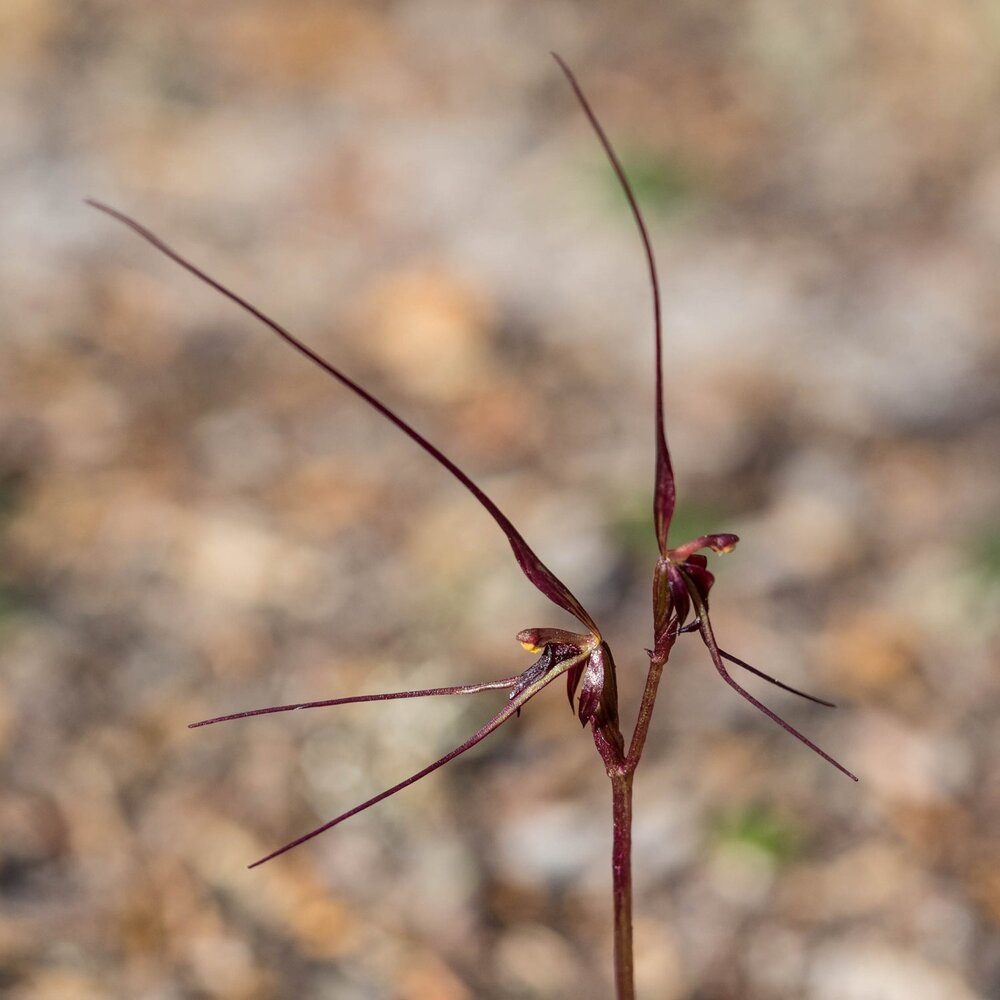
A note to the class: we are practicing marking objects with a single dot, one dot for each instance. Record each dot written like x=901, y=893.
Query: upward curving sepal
x=533, y=568
x=664, y=489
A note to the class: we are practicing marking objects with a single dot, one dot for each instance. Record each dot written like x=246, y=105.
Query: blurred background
x=193, y=520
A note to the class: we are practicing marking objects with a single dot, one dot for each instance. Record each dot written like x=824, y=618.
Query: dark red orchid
x=681, y=583
x=682, y=578
x=585, y=657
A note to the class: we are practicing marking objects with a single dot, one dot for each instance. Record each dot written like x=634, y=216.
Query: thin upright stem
x=621, y=871
x=621, y=771
x=656, y=664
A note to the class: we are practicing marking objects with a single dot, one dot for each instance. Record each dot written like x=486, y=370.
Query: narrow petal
x=510, y=709
x=592, y=687
x=709, y=639
x=679, y=593
x=499, y=685
x=532, y=567
x=664, y=491
x=774, y=680
x=663, y=602
x=573, y=682
x=539, y=669
x=701, y=578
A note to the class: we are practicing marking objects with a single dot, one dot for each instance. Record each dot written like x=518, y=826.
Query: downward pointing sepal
x=599, y=690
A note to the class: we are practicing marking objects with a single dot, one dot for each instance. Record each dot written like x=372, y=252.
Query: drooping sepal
x=697, y=571
x=591, y=687
x=528, y=687
x=708, y=637
x=573, y=676
x=679, y=595
x=774, y=680
x=597, y=680
x=599, y=692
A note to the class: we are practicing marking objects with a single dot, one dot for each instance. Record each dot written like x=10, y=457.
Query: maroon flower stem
x=656, y=663
x=621, y=873
x=621, y=820
x=621, y=769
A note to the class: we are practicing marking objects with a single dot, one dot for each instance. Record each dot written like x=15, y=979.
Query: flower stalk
x=681, y=585
x=621, y=882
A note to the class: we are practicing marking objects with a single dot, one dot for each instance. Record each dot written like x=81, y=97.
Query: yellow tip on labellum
x=534, y=640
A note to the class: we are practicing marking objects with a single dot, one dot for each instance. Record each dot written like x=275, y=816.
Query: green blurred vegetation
x=984, y=547
x=12, y=601
x=760, y=827
x=665, y=185
x=10, y=495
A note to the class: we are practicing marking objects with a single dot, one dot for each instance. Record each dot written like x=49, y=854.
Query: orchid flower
x=584, y=657
x=681, y=580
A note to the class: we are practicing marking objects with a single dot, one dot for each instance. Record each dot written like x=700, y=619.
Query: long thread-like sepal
x=664, y=489
x=512, y=707
x=713, y=647
x=499, y=685
x=774, y=680
x=532, y=567
x=695, y=626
